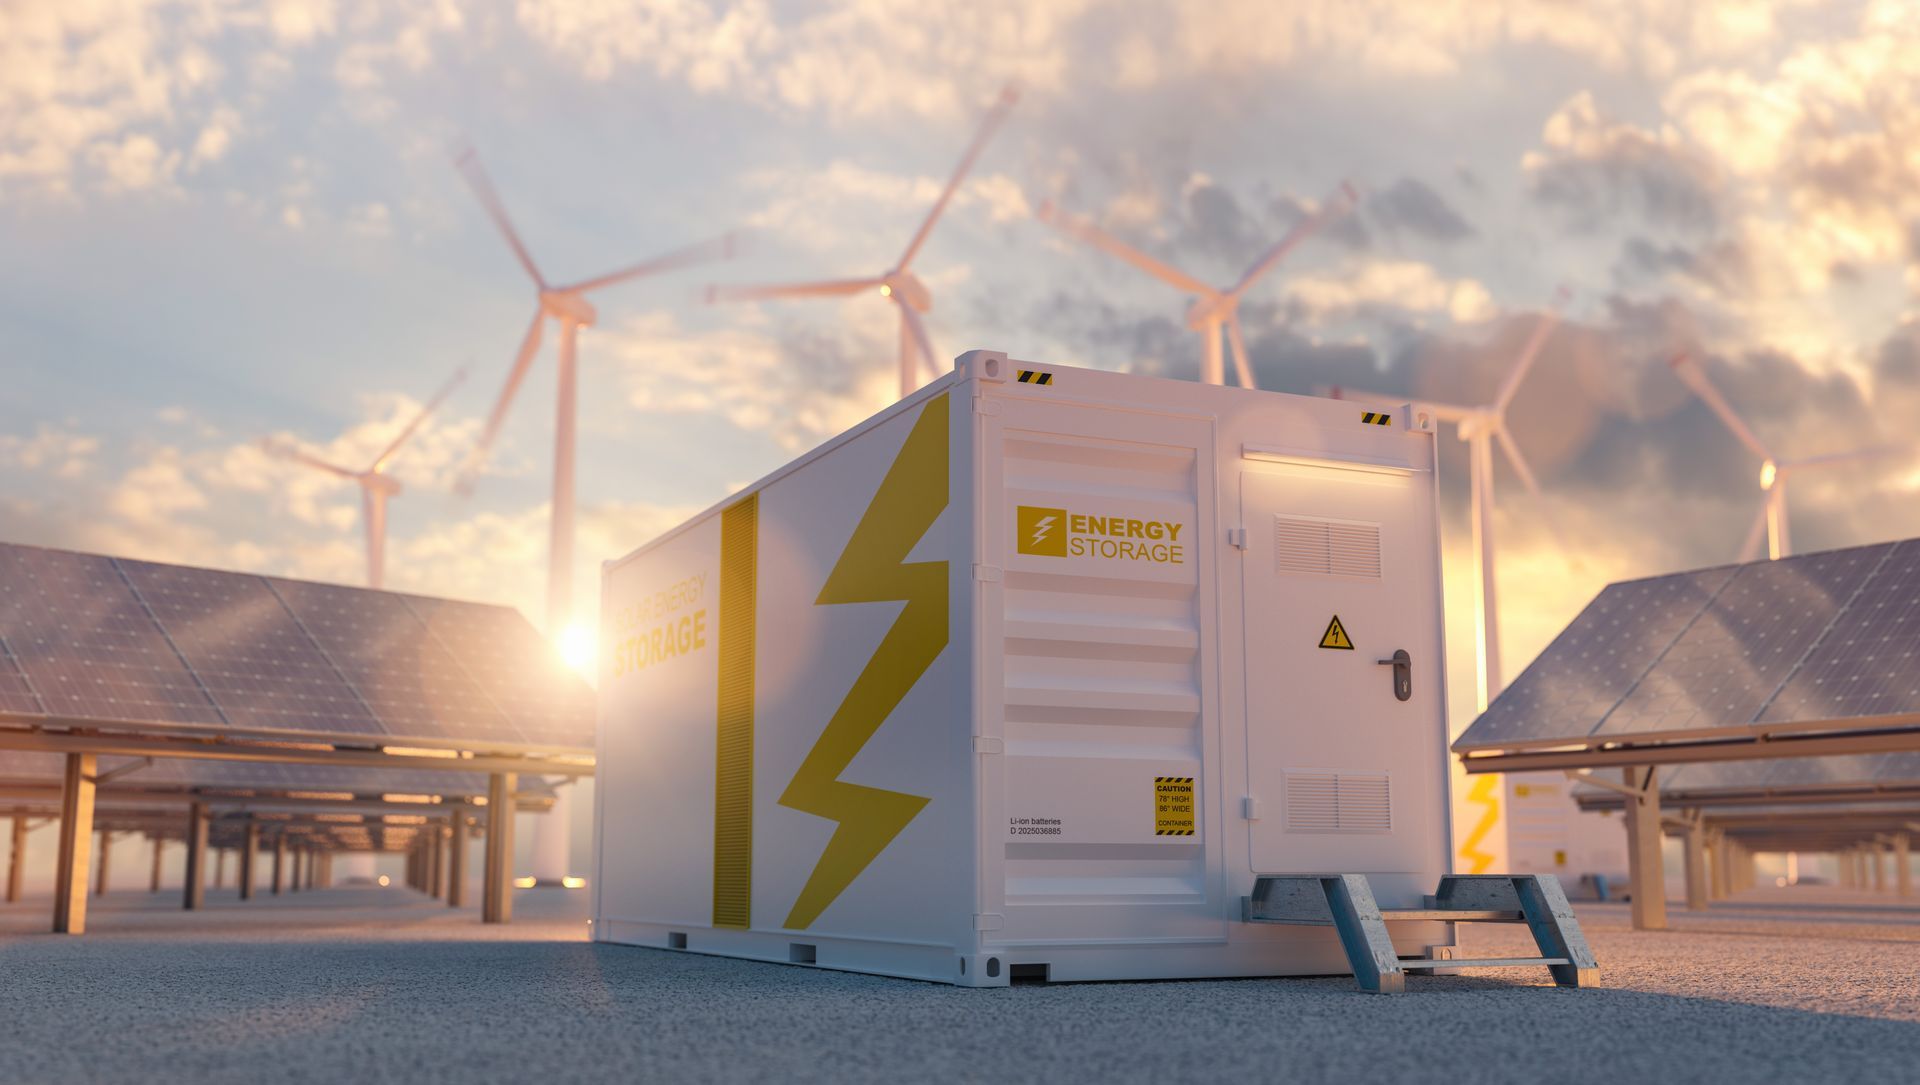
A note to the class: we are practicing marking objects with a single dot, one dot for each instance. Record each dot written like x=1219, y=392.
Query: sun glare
x=576, y=648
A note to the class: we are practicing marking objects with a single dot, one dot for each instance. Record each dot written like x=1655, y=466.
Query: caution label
x=1173, y=809
x=1336, y=636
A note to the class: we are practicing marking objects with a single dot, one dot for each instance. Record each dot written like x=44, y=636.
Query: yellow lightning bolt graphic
x=873, y=569
x=1485, y=790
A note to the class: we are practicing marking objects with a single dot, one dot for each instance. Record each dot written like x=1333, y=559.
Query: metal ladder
x=1345, y=902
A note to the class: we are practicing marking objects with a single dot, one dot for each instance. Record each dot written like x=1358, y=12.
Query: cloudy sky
x=224, y=221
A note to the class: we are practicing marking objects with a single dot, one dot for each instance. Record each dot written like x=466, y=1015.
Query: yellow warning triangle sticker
x=1336, y=636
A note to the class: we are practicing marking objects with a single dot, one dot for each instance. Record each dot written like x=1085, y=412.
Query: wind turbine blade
x=521, y=363
x=719, y=248
x=920, y=340
x=1240, y=367
x=1083, y=229
x=1689, y=372
x=1519, y=462
x=837, y=288
x=298, y=455
x=1511, y=450
x=432, y=405
x=468, y=163
x=1541, y=332
x=995, y=116
x=1750, y=550
x=1833, y=458
x=1336, y=205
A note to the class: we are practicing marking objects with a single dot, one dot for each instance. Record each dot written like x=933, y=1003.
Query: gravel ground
x=380, y=985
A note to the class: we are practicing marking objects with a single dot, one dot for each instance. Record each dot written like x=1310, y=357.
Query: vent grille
x=1338, y=802
x=1303, y=544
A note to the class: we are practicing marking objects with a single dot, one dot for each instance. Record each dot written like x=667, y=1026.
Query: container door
x=1344, y=749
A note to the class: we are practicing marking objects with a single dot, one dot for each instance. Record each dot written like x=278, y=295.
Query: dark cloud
x=1596, y=171
x=1721, y=266
x=1410, y=207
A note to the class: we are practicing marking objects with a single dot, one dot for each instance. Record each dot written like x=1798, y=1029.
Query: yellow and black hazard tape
x=1035, y=376
x=1376, y=418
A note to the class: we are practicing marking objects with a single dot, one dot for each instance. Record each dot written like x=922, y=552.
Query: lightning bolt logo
x=873, y=569
x=1486, y=791
x=1040, y=529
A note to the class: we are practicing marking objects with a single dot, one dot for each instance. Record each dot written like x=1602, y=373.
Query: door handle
x=1402, y=665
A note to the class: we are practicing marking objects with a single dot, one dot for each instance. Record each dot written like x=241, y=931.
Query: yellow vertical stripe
x=733, y=779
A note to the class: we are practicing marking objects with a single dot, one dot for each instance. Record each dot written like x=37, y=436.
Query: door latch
x=1402, y=665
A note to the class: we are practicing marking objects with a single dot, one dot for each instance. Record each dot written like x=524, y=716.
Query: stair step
x=1455, y=915
x=1484, y=962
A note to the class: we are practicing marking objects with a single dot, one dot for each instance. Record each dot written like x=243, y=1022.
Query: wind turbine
x=1212, y=309
x=1772, y=521
x=1481, y=428
x=376, y=486
x=568, y=307
x=898, y=284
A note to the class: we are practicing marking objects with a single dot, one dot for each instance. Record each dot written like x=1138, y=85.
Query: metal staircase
x=1345, y=902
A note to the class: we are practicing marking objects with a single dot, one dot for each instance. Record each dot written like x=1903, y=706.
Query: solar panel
x=517, y=670
x=1827, y=639
x=252, y=658
x=1596, y=660
x=90, y=638
x=1747, y=641
x=88, y=646
x=412, y=683
x=1869, y=663
x=15, y=694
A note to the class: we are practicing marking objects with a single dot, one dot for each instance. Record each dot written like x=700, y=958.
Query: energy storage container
x=1029, y=676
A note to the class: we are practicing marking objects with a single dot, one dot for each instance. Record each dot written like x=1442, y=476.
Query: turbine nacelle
x=568, y=307
x=1769, y=474
x=1211, y=310
x=908, y=288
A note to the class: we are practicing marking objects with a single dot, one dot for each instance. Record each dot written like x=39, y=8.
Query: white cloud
x=64, y=455
x=1390, y=285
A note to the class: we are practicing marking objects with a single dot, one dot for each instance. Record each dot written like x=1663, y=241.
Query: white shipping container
x=1030, y=675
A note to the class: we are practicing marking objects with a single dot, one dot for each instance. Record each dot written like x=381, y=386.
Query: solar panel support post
x=1696, y=853
x=433, y=852
x=1902, y=865
x=1723, y=867
x=106, y=861
x=497, y=897
x=153, y=875
x=1644, y=866
x=457, y=858
x=279, y=862
x=1879, y=861
x=76, y=834
x=17, y=857
x=249, y=850
x=195, y=896
x=219, y=868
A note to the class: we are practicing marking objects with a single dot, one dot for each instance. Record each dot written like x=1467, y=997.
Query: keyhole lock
x=1402, y=665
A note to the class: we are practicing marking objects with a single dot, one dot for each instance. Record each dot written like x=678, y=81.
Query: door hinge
x=987, y=574
x=1237, y=538
x=1250, y=808
x=988, y=921
x=989, y=744
x=986, y=405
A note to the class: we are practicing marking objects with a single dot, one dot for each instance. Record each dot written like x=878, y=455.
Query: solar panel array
x=1818, y=638
x=182, y=774
x=84, y=637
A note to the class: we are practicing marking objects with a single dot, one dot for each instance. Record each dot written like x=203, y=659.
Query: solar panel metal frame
x=576, y=741
x=1494, y=731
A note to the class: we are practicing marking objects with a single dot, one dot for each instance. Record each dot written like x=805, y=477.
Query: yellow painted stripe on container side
x=733, y=782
